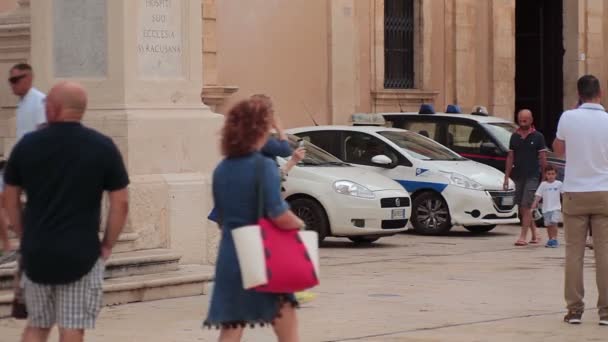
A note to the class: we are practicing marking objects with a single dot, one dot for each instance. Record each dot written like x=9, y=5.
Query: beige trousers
x=584, y=210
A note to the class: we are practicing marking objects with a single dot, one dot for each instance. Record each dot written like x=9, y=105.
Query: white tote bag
x=250, y=253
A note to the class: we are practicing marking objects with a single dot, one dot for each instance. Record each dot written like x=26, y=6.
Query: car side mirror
x=381, y=159
x=489, y=148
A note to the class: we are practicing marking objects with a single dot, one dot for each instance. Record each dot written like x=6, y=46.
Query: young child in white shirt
x=550, y=192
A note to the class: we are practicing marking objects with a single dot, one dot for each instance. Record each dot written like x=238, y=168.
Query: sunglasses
x=15, y=79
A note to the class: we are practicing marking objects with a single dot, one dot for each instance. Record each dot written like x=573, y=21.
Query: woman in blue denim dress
x=235, y=180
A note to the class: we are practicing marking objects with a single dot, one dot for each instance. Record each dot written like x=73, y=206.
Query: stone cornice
x=393, y=95
x=14, y=42
x=214, y=95
x=401, y=99
x=15, y=34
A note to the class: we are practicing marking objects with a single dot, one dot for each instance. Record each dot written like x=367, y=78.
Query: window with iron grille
x=399, y=44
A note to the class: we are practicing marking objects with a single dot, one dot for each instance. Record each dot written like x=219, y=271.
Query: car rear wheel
x=480, y=229
x=430, y=214
x=313, y=215
x=363, y=240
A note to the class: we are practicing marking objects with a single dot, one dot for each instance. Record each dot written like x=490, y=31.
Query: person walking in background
x=549, y=191
x=64, y=169
x=236, y=181
x=30, y=108
x=525, y=164
x=581, y=137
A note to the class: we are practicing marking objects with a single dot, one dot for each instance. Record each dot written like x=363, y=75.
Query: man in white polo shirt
x=30, y=108
x=582, y=136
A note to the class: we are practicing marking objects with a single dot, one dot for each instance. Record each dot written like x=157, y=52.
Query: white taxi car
x=446, y=188
x=337, y=199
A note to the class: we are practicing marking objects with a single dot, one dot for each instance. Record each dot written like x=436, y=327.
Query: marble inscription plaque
x=80, y=38
x=159, y=39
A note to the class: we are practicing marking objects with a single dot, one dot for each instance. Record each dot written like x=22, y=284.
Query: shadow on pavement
x=462, y=234
x=344, y=244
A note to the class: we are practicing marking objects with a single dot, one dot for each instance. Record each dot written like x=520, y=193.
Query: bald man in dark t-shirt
x=525, y=164
x=64, y=169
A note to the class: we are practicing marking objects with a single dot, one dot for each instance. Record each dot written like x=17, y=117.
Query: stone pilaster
x=465, y=12
x=585, y=40
x=343, y=61
x=502, y=80
x=213, y=94
x=141, y=63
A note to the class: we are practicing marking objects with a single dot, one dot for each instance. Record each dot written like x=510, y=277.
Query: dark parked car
x=479, y=137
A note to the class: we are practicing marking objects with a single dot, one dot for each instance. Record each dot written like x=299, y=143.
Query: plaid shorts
x=70, y=306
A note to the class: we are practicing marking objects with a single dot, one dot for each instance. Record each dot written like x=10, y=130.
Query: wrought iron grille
x=399, y=44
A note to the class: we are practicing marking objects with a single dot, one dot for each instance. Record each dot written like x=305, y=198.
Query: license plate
x=398, y=214
x=507, y=200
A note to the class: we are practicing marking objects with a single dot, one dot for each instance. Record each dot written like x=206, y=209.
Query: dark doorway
x=539, y=52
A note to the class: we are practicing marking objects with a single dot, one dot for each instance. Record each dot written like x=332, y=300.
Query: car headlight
x=464, y=182
x=353, y=189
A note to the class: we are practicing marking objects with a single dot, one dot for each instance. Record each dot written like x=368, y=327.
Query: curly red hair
x=246, y=123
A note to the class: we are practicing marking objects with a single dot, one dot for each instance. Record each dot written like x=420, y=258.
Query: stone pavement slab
x=459, y=287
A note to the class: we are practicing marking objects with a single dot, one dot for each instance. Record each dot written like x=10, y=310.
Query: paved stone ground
x=404, y=288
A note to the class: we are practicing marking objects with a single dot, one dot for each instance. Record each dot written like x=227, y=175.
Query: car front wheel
x=430, y=214
x=313, y=215
x=480, y=229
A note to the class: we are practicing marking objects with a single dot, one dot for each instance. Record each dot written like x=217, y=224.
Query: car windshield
x=315, y=156
x=502, y=131
x=419, y=146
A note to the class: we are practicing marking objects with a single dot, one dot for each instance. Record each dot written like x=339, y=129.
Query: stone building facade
x=326, y=59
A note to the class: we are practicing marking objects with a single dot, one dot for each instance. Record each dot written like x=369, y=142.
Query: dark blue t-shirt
x=526, y=163
x=64, y=170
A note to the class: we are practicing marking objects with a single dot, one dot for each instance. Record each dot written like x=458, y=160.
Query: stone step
x=147, y=261
x=126, y=243
x=187, y=280
x=6, y=275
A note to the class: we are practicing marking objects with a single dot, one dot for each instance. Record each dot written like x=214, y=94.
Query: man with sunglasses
x=30, y=109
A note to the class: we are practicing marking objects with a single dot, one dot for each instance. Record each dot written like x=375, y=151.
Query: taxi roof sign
x=363, y=119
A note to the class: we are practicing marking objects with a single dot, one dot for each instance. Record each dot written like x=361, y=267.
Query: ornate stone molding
x=14, y=42
x=401, y=100
x=15, y=34
x=215, y=95
x=21, y=15
x=212, y=94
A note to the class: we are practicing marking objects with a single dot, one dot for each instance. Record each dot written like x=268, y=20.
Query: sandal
x=535, y=241
x=521, y=243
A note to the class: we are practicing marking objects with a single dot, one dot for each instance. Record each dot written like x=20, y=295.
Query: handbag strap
x=259, y=165
x=258, y=187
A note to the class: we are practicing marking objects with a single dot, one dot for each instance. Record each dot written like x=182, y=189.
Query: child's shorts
x=552, y=218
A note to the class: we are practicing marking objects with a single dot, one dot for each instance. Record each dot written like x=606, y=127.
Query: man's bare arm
x=542, y=155
x=508, y=169
x=12, y=203
x=559, y=147
x=4, y=223
x=117, y=216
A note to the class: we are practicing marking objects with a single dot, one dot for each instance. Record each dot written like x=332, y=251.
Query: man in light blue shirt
x=30, y=108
